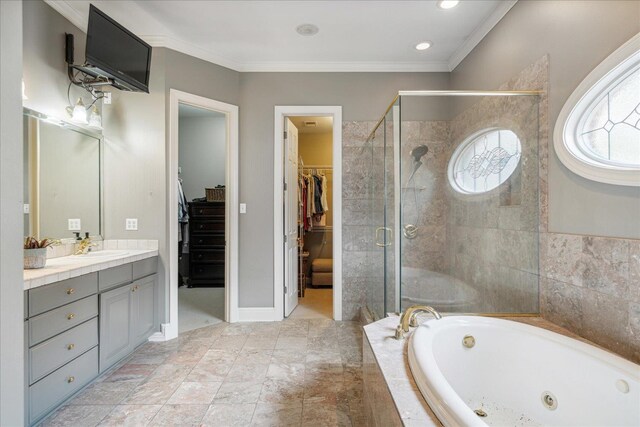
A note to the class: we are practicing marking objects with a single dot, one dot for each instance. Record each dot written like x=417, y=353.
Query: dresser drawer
x=203, y=211
x=48, y=356
x=145, y=267
x=58, y=294
x=213, y=270
x=52, y=390
x=209, y=241
x=208, y=255
x=115, y=276
x=198, y=226
x=53, y=322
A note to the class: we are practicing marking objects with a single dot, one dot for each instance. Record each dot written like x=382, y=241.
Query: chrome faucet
x=409, y=318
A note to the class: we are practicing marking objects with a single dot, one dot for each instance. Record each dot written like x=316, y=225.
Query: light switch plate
x=25, y=208
x=75, y=224
x=243, y=208
x=131, y=224
x=107, y=98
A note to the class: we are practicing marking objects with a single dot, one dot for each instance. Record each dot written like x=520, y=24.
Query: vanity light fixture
x=95, y=120
x=78, y=113
x=448, y=4
x=423, y=45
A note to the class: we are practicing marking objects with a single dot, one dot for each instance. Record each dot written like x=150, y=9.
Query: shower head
x=418, y=152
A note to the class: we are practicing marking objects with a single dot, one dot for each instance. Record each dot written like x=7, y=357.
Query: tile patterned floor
x=299, y=372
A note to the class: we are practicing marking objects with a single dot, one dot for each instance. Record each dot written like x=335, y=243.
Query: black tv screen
x=117, y=53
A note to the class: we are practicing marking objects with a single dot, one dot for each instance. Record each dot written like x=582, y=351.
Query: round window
x=484, y=160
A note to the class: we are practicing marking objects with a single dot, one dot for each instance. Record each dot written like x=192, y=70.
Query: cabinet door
x=144, y=308
x=116, y=339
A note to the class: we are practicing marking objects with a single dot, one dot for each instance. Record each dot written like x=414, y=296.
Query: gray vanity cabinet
x=127, y=319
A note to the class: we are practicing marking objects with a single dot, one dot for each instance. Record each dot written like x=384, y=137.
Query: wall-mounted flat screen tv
x=116, y=53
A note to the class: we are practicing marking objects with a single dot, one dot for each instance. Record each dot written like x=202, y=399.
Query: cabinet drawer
x=214, y=210
x=208, y=241
x=207, y=226
x=210, y=255
x=58, y=294
x=61, y=319
x=48, y=356
x=214, y=270
x=52, y=390
x=112, y=277
x=145, y=267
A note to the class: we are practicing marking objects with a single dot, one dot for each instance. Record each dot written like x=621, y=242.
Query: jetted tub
x=513, y=374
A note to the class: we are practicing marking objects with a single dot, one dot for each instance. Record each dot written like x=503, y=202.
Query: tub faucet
x=408, y=318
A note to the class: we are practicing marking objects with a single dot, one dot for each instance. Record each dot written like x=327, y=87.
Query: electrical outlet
x=107, y=98
x=131, y=224
x=243, y=208
x=25, y=208
x=74, y=224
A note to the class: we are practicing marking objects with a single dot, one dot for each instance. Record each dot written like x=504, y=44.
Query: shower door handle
x=385, y=230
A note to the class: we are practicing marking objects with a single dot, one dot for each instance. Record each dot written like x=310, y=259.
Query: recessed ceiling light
x=448, y=4
x=423, y=45
x=307, y=29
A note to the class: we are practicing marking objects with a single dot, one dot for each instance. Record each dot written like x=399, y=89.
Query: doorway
x=202, y=141
x=308, y=258
x=208, y=270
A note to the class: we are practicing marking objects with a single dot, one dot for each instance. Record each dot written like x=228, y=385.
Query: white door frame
x=177, y=97
x=336, y=204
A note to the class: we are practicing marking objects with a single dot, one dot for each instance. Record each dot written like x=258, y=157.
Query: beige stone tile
x=78, y=415
x=229, y=414
x=242, y=329
x=187, y=357
x=282, y=391
x=238, y=392
x=254, y=356
x=131, y=415
x=287, y=356
x=172, y=373
x=291, y=342
x=103, y=393
x=194, y=393
x=180, y=415
x=206, y=371
x=277, y=415
x=155, y=392
x=131, y=373
x=241, y=372
x=323, y=357
x=267, y=342
x=286, y=371
x=229, y=342
x=320, y=414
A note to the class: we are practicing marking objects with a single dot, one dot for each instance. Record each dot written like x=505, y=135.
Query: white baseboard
x=166, y=333
x=257, y=314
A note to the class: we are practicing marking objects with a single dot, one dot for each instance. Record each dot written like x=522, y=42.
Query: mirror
x=62, y=178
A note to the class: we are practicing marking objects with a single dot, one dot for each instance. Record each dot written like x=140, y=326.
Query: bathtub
x=520, y=375
x=447, y=293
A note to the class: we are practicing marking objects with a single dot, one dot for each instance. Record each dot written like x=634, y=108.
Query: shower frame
x=397, y=181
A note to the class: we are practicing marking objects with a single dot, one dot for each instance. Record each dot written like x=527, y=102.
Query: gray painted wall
x=577, y=35
x=11, y=292
x=202, y=157
x=363, y=96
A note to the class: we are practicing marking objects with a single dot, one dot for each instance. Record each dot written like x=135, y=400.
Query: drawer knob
x=71, y=379
x=70, y=291
x=71, y=346
x=70, y=316
x=200, y=211
x=200, y=256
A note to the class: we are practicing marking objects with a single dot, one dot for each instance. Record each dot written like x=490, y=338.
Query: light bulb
x=95, y=120
x=448, y=4
x=79, y=112
x=423, y=46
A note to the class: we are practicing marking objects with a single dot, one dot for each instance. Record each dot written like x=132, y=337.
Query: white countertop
x=63, y=268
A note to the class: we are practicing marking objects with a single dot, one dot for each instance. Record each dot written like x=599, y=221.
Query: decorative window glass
x=484, y=161
x=598, y=131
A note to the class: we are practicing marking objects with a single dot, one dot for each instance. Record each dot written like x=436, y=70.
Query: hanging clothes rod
x=317, y=167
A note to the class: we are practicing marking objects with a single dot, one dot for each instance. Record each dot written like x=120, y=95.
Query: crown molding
x=480, y=32
x=64, y=8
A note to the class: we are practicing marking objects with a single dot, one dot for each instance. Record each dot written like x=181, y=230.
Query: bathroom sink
x=103, y=254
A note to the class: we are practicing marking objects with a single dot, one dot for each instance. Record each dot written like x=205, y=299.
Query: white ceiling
x=261, y=36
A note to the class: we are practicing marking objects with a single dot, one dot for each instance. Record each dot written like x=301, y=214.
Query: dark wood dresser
x=206, y=244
